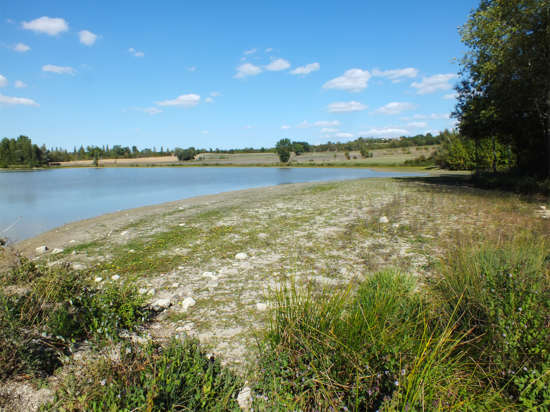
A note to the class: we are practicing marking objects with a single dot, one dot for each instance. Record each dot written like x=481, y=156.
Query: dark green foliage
x=150, y=377
x=21, y=152
x=56, y=308
x=185, y=154
x=505, y=87
x=284, y=149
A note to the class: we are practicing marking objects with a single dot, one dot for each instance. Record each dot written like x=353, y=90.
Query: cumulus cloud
x=278, y=65
x=192, y=68
x=185, y=100
x=386, y=132
x=12, y=101
x=329, y=130
x=395, y=108
x=269, y=50
x=307, y=69
x=285, y=127
x=353, y=80
x=87, y=37
x=248, y=52
x=340, y=107
x=327, y=123
x=342, y=135
x=450, y=96
x=19, y=84
x=135, y=53
x=46, y=25
x=434, y=83
x=3, y=81
x=304, y=125
x=21, y=48
x=418, y=125
x=209, y=100
x=247, y=69
x=397, y=74
x=432, y=116
x=52, y=68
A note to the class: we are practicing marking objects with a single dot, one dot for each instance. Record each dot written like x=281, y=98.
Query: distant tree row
x=22, y=152
x=105, y=152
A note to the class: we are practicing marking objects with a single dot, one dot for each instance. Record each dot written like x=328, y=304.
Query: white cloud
x=47, y=25
x=433, y=116
x=17, y=100
x=341, y=107
x=269, y=50
x=434, y=83
x=52, y=68
x=450, y=96
x=278, y=65
x=135, y=53
x=248, y=52
x=247, y=69
x=248, y=126
x=307, y=69
x=87, y=37
x=327, y=123
x=285, y=127
x=209, y=100
x=353, y=80
x=204, y=131
x=304, y=125
x=329, y=130
x=192, y=68
x=19, y=84
x=395, y=108
x=148, y=110
x=397, y=74
x=215, y=94
x=3, y=81
x=21, y=48
x=385, y=132
x=185, y=100
x=343, y=135
x=418, y=125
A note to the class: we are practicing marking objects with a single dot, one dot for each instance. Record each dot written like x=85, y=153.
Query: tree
x=283, y=149
x=505, y=89
x=185, y=154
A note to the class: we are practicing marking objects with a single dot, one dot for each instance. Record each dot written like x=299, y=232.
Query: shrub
x=283, y=149
x=503, y=296
x=151, y=377
x=57, y=308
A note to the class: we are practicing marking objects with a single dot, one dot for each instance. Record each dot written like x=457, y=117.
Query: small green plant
x=178, y=376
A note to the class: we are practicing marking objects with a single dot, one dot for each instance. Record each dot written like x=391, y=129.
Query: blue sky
x=226, y=74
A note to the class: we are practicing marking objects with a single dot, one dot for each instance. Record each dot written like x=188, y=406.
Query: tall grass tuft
x=379, y=348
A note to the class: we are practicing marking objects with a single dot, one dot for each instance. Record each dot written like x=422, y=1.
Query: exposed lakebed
x=36, y=201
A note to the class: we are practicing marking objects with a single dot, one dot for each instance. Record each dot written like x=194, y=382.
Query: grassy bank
x=368, y=294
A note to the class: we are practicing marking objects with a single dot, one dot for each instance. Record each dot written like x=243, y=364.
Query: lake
x=32, y=202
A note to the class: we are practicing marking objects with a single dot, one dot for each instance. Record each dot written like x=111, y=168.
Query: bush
x=501, y=296
x=185, y=154
x=283, y=149
x=57, y=308
x=150, y=377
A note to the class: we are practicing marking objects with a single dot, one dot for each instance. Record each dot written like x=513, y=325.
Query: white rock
x=175, y=285
x=41, y=249
x=78, y=266
x=56, y=251
x=73, y=252
x=383, y=219
x=115, y=277
x=262, y=236
x=181, y=224
x=542, y=207
x=98, y=279
x=124, y=233
x=161, y=304
x=72, y=241
x=261, y=306
x=131, y=251
x=395, y=225
x=244, y=399
x=241, y=256
x=187, y=303
x=210, y=275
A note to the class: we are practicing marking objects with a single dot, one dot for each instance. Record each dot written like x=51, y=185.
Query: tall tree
x=505, y=89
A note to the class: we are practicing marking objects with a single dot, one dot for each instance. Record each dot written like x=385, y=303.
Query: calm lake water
x=37, y=201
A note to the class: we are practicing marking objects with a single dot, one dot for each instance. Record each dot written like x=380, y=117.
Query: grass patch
x=178, y=376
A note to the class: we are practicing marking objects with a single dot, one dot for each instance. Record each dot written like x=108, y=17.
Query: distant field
x=380, y=157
